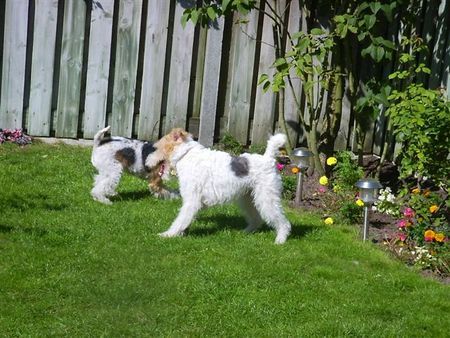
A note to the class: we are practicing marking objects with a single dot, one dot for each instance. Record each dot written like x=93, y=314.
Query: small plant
x=289, y=186
x=231, y=145
x=387, y=203
x=337, y=192
x=14, y=135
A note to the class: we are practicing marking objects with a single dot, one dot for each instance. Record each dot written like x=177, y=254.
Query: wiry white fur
x=206, y=179
x=110, y=169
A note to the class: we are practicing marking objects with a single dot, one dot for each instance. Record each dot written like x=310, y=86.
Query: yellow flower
x=429, y=235
x=295, y=170
x=328, y=221
x=359, y=202
x=323, y=180
x=434, y=208
x=439, y=237
x=415, y=190
x=331, y=161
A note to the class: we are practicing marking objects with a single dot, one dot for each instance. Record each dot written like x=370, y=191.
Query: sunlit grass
x=70, y=266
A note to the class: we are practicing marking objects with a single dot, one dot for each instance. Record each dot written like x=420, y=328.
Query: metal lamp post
x=300, y=157
x=368, y=192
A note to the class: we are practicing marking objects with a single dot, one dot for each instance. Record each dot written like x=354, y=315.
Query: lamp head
x=368, y=190
x=300, y=157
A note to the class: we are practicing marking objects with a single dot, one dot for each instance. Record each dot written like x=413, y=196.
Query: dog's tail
x=99, y=136
x=275, y=142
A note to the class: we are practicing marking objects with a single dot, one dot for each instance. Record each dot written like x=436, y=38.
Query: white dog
x=111, y=156
x=209, y=177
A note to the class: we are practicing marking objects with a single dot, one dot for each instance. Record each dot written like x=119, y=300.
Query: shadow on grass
x=5, y=228
x=224, y=222
x=131, y=195
x=32, y=201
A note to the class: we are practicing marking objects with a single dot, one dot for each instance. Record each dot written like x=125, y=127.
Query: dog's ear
x=179, y=135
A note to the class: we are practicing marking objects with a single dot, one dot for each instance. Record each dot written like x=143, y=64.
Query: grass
x=70, y=266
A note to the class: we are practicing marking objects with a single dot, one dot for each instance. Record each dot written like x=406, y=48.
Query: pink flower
x=403, y=223
x=280, y=166
x=408, y=212
x=322, y=189
x=401, y=236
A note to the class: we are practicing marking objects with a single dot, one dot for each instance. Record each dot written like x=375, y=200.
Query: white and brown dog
x=111, y=156
x=209, y=177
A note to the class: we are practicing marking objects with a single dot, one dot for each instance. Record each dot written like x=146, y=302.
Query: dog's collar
x=186, y=148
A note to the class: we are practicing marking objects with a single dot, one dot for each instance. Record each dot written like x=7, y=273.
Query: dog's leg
x=268, y=204
x=105, y=185
x=157, y=187
x=251, y=214
x=183, y=220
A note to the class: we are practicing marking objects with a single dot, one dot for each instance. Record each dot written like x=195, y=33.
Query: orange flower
x=295, y=170
x=429, y=235
x=415, y=190
x=434, y=208
x=426, y=192
x=439, y=237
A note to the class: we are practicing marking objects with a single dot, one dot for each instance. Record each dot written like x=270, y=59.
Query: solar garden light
x=300, y=157
x=368, y=193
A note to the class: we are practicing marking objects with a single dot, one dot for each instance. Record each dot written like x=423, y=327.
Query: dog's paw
x=280, y=239
x=102, y=200
x=168, y=234
x=167, y=195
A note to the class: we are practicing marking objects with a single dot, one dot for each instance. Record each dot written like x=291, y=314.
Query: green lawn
x=70, y=266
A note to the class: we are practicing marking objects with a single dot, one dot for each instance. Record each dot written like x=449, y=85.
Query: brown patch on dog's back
x=126, y=156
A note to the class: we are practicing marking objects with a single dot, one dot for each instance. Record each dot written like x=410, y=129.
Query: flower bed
x=414, y=226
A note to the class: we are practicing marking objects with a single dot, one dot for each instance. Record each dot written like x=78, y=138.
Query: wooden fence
x=70, y=67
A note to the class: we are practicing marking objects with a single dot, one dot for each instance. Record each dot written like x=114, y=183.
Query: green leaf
x=225, y=4
x=194, y=16
x=278, y=62
x=353, y=29
x=317, y=31
x=386, y=43
x=362, y=36
x=211, y=13
x=361, y=8
x=387, y=9
x=370, y=21
x=263, y=78
x=344, y=31
x=375, y=7
x=185, y=17
x=367, y=51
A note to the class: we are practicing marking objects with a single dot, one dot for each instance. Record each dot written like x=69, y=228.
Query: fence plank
x=126, y=67
x=210, y=92
x=98, y=67
x=265, y=102
x=41, y=86
x=446, y=66
x=68, y=107
x=13, y=69
x=440, y=38
x=243, y=58
x=290, y=106
x=180, y=72
x=153, y=72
